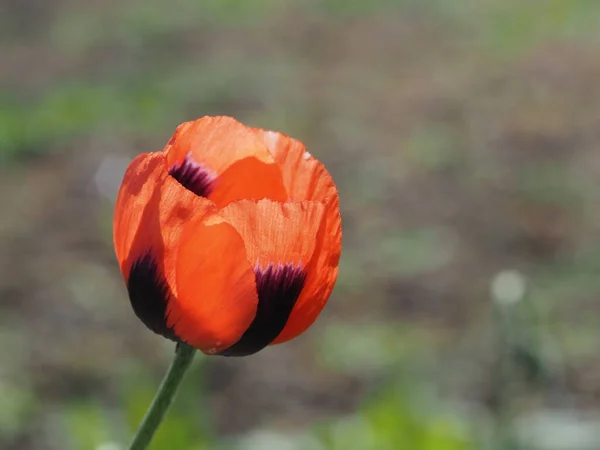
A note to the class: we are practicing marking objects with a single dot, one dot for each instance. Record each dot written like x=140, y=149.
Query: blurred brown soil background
x=465, y=141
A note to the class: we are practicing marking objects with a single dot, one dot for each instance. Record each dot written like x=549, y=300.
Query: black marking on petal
x=278, y=287
x=148, y=293
x=193, y=176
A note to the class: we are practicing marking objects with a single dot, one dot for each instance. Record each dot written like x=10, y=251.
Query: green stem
x=184, y=354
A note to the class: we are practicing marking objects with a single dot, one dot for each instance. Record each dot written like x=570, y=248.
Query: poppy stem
x=184, y=354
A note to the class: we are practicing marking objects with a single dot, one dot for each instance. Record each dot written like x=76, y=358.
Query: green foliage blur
x=463, y=136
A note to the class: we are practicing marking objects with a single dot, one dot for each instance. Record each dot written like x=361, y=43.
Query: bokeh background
x=464, y=137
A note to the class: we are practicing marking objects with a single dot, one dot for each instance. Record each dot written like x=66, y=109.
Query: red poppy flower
x=229, y=238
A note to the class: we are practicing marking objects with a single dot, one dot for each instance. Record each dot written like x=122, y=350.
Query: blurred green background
x=464, y=136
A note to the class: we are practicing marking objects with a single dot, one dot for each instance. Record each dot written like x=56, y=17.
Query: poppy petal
x=280, y=240
x=216, y=287
x=193, y=176
x=305, y=178
x=149, y=292
x=321, y=275
x=149, y=214
x=217, y=142
x=251, y=179
x=276, y=233
x=221, y=158
x=137, y=187
x=278, y=289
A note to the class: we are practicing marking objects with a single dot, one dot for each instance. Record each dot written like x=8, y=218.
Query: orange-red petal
x=305, y=178
x=217, y=142
x=217, y=296
x=276, y=233
x=321, y=275
x=242, y=165
x=138, y=186
x=150, y=212
x=280, y=240
x=250, y=179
